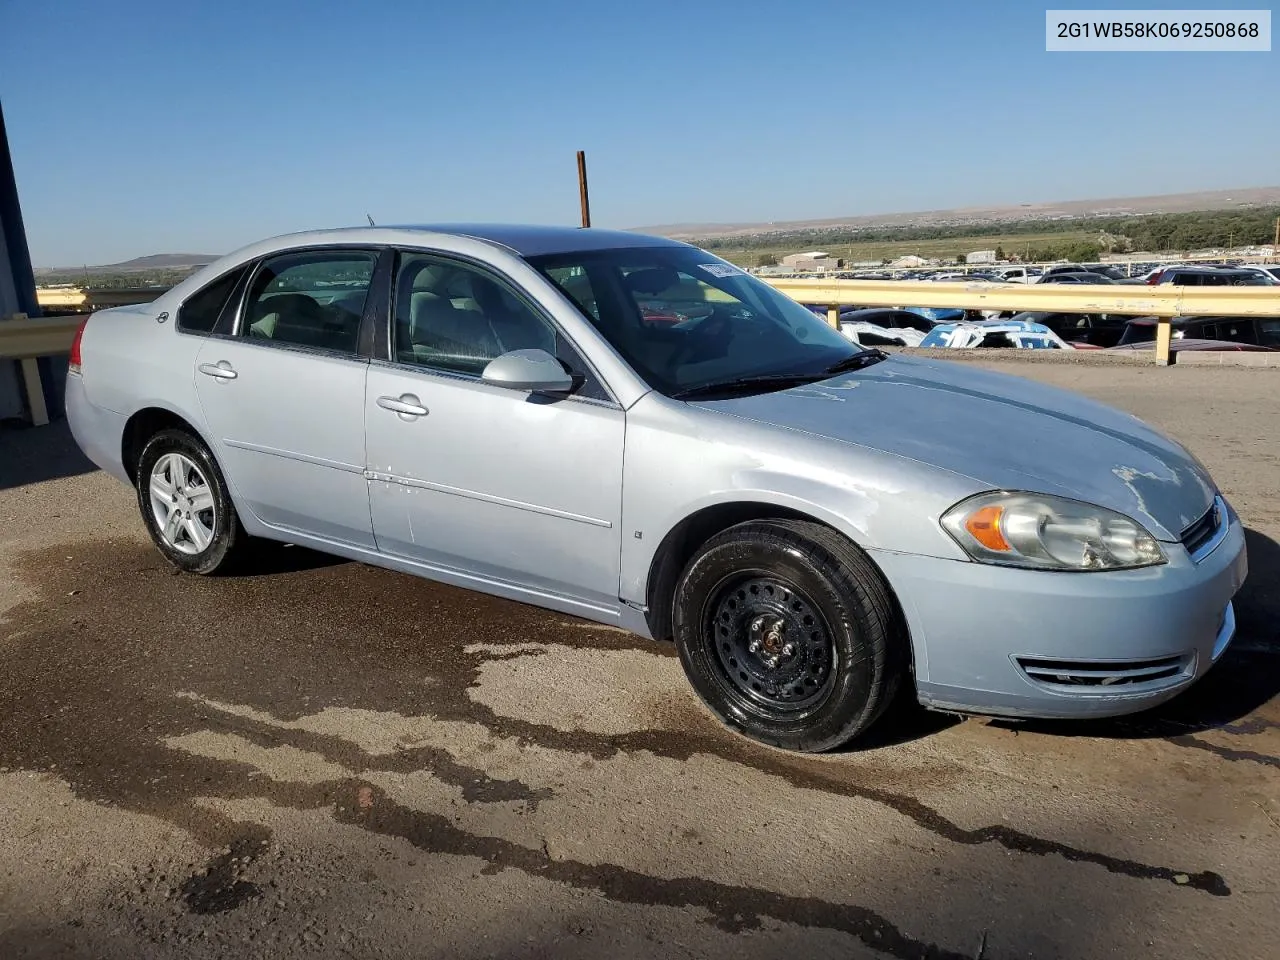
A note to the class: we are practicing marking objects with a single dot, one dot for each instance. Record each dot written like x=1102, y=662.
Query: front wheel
x=789, y=634
x=185, y=504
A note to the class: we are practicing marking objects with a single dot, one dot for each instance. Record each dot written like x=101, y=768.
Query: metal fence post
x=1164, y=338
x=34, y=387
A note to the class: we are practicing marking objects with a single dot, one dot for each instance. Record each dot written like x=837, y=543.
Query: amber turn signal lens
x=984, y=526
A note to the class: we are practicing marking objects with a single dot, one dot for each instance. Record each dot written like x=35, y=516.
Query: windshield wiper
x=781, y=381
x=778, y=381
x=856, y=362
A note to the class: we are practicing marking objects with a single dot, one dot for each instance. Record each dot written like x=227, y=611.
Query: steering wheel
x=703, y=338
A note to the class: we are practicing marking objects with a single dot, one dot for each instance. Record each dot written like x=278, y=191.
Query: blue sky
x=139, y=127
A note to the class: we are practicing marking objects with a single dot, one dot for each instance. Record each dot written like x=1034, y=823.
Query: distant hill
x=157, y=261
x=1061, y=210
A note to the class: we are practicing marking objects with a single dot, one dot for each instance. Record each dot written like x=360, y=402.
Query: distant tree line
x=115, y=281
x=1155, y=232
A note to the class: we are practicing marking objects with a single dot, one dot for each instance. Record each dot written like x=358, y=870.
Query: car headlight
x=1049, y=533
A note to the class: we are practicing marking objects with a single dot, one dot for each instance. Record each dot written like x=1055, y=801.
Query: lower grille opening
x=1098, y=674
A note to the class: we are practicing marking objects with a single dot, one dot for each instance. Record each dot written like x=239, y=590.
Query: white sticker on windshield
x=720, y=269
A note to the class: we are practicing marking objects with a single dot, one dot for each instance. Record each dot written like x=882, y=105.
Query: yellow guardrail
x=62, y=298
x=24, y=339
x=1163, y=301
x=1124, y=298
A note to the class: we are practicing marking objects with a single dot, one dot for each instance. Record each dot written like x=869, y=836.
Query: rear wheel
x=185, y=504
x=789, y=634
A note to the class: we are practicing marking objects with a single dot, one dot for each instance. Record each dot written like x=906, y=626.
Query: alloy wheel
x=183, y=504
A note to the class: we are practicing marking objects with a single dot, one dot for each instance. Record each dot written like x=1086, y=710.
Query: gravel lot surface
x=323, y=759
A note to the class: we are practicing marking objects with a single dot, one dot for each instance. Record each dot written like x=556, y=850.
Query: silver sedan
x=634, y=431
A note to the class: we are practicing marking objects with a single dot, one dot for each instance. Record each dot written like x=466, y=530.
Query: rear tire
x=789, y=634
x=186, y=506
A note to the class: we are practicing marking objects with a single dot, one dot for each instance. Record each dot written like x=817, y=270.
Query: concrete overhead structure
x=17, y=282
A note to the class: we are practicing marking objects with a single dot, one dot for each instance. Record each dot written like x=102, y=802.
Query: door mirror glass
x=530, y=369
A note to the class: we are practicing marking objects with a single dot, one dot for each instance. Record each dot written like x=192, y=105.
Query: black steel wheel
x=789, y=634
x=774, y=645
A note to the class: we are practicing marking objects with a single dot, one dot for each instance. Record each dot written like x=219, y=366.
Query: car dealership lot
x=321, y=758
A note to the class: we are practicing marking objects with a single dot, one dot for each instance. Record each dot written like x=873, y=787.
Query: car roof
x=525, y=240
x=531, y=240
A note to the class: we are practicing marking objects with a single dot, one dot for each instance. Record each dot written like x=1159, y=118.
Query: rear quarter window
x=200, y=312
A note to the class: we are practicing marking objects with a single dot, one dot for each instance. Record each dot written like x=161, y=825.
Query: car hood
x=1001, y=431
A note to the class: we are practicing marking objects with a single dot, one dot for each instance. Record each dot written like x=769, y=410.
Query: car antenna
x=370, y=219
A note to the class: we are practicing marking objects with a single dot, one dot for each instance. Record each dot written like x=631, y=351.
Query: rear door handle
x=219, y=371
x=407, y=405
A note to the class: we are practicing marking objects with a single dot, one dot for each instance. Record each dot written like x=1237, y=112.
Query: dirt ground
x=320, y=758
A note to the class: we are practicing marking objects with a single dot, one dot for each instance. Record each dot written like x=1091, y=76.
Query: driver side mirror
x=532, y=369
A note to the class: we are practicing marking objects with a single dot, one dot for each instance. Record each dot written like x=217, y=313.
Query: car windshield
x=686, y=320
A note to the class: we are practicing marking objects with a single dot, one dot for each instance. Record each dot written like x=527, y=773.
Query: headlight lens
x=1049, y=533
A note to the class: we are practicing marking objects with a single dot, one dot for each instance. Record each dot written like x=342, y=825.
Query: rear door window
x=310, y=299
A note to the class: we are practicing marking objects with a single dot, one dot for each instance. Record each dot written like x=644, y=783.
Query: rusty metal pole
x=582, y=188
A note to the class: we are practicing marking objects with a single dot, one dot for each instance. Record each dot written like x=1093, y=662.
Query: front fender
x=673, y=470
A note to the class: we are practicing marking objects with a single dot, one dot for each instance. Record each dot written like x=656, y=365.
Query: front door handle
x=407, y=405
x=219, y=371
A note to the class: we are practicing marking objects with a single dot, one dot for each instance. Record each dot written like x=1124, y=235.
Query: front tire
x=789, y=634
x=186, y=506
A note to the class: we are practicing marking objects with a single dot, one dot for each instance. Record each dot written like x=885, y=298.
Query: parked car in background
x=1096, y=329
x=1020, y=334
x=1208, y=276
x=869, y=334
x=937, y=314
x=1258, y=331
x=888, y=317
x=1182, y=345
x=1269, y=272
x=815, y=525
x=881, y=316
x=1109, y=271
x=883, y=326
x=1080, y=277
x=957, y=276
x=1019, y=274
x=1143, y=276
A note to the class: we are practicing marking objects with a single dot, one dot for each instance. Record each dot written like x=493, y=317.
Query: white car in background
x=1019, y=274
x=1021, y=334
x=873, y=335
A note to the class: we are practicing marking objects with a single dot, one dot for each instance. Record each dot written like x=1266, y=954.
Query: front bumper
x=1032, y=643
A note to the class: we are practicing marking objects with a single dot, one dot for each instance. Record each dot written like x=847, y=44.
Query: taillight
x=1155, y=278
x=73, y=364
